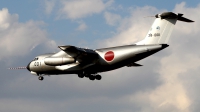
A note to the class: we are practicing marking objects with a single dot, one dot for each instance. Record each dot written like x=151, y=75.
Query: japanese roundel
x=109, y=56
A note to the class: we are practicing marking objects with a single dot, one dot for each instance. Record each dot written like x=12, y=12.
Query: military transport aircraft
x=89, y=62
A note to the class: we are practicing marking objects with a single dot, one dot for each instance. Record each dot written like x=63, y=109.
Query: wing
x=80, y=54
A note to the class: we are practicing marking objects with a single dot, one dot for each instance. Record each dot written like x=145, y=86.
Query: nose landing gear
x=41, y=78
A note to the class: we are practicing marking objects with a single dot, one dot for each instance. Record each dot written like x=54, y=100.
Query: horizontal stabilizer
x=171, y=15
x=133, y=65
x=161, y=29
x=184, y=19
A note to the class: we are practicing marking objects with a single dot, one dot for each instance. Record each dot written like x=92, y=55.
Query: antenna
x=148, y=16
x=17, y=68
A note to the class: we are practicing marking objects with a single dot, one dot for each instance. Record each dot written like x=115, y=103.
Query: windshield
x=35, y=59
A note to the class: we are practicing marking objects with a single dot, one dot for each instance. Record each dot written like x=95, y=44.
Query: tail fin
x=162, y=27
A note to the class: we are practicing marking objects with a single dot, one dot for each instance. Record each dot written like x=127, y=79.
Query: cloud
x=112, y=19
x=81, y=8
x=49, y=5
x=6, y=19
x=17, y=39
x=168, y=81
x=131, y=29
x=179, y=65
x=82, y=26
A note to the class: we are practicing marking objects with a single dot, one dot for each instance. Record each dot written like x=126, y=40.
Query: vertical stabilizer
x=162, y=27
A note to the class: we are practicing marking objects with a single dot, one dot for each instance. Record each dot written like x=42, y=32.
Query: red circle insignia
x=109, y=56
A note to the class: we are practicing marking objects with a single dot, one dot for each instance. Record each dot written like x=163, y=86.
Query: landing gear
x=80, y=75
x=98, y=77
x=91, y=77
x=40, y=78
x=87, y=75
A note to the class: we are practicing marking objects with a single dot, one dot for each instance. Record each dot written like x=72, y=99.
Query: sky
x=167, y=82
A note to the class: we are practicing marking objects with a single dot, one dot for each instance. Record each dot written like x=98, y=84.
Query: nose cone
x=28, y=67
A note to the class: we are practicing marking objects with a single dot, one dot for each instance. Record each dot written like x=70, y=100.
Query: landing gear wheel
x=40, y=78
x=80, y=75
x=91, y=77
x=98, y=77
x=87, y=75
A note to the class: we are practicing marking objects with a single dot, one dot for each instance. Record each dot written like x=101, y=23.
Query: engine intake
x=51, y=61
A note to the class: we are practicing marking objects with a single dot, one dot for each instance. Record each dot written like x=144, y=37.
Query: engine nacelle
x=51, y=61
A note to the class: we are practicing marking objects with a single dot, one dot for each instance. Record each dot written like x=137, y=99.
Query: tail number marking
x=155, y=35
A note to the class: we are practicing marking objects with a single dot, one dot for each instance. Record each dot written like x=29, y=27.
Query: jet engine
x=55, y=61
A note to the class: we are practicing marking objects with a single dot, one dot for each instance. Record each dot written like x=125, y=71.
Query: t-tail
x=162, y=27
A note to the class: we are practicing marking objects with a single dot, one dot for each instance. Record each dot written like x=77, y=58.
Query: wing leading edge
x=80, y=54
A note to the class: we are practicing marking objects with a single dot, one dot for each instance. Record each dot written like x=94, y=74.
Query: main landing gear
x=90, y=76
x=93, y=77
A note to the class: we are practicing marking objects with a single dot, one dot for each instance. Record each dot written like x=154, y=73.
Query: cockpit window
x=35, y=59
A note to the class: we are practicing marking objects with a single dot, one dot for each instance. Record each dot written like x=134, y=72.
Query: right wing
x=81, y=54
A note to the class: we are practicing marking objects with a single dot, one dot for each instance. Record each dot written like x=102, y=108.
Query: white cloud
x=131, y=29
x=174, y=91
x=81, y=8
x=165, y=83
x=6, y=19
x=112, y=19
x=49, y=5
x=82, y=26
x=172, y=94
x=17, y=39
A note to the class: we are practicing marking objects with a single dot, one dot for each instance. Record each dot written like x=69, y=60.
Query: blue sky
x=59, y=28
x=168, y=81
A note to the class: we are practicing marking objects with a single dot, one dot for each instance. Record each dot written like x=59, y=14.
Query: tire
x=87, y=75
x=91, y=77
x=80, y=75
x=98, y=77
x=40, y=78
